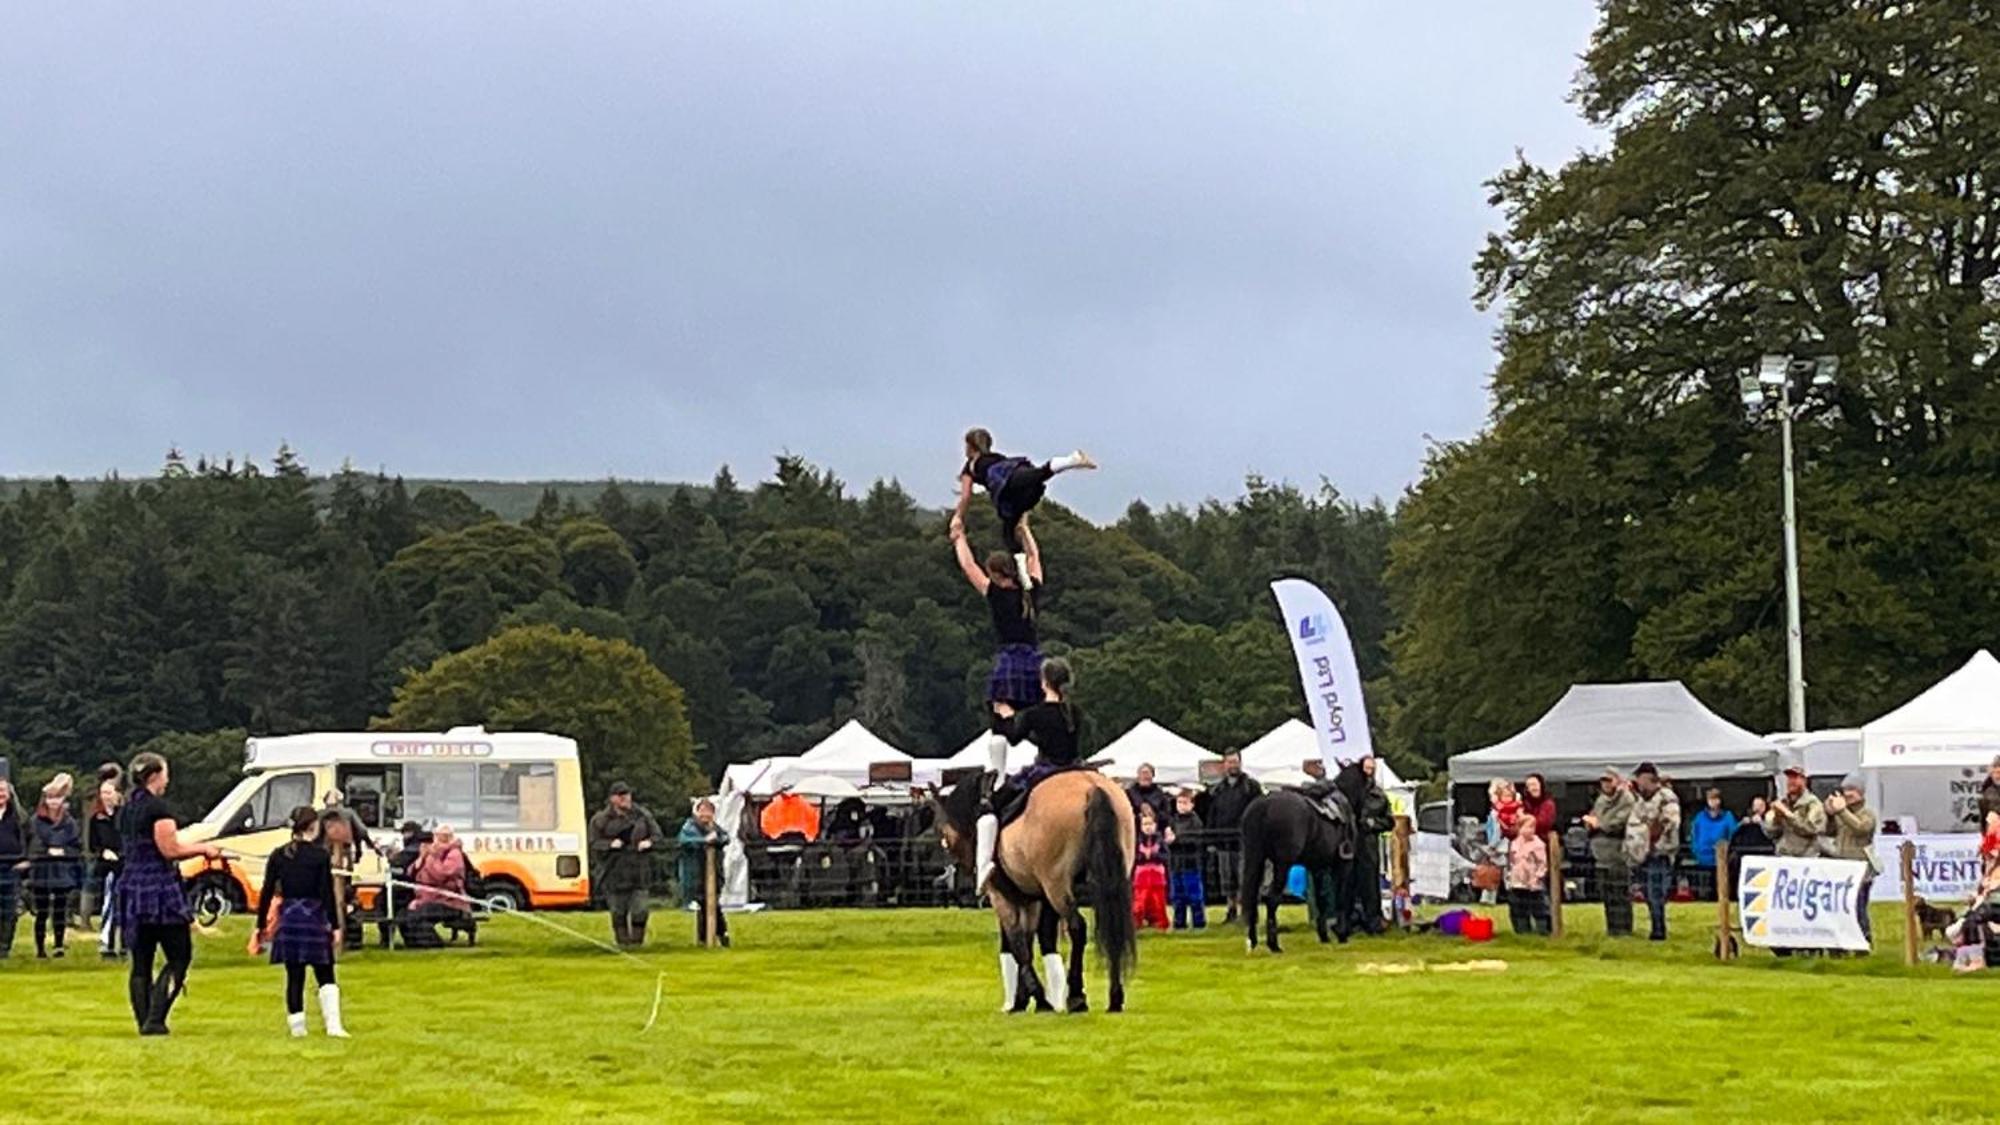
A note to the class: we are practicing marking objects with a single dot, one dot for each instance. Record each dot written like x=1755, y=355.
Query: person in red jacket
x=1536, y=802
x=1149, y=873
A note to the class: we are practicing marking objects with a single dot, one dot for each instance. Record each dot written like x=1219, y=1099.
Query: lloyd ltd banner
x=1946, y=866
x=1801, y=903
x=1327, y=670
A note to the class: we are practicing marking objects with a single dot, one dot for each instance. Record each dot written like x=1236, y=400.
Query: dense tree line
x=1818, y=178
x=231, y=597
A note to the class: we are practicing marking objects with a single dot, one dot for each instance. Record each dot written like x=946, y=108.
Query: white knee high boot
x=996, y=755
x=329, y=1010
x=985, y=835
x=1076, y=460
x=1010, y=981
x=1058, y=979
x=296, y=1023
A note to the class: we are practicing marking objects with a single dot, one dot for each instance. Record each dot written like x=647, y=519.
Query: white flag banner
x=1327, y=670
x=1802, y=903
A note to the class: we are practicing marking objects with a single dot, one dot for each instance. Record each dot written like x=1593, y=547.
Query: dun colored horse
x=1074, y=837
x=1285, y=828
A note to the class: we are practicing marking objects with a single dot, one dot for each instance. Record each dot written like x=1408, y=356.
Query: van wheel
x=501, y=895
x=214, y=896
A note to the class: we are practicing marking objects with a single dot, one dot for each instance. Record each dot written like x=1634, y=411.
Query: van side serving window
x=483, y=796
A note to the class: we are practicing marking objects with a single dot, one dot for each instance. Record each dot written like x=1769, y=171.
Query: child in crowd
x=1189, y=896
x=1528, y=880
x=1149, y=873
x=1989, y=844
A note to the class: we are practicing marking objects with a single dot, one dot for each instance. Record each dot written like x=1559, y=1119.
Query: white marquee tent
x=1621, y=725
x=1019, y=756
x=1175, y=760
x=1956, y=722
x=1279, y=757
x=848, y=754
x=1926, y=759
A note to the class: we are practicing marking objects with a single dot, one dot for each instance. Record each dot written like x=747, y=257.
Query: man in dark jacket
x=622, y=836
x=1363, y=897
x=1227, y=799
x=1143, y=793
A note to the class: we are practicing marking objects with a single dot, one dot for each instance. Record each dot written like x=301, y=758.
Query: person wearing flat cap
x=1851, y=824
x=1652, y=837
x=1796, y=818
x=1609, y=816
x=622, y=835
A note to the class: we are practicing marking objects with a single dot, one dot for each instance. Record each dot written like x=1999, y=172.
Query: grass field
x=891, y=1016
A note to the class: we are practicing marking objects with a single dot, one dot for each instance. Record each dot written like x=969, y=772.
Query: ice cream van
x=514, y=799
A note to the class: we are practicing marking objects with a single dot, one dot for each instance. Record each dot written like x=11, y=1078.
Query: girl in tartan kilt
x=1016, y=679
x=295, y=918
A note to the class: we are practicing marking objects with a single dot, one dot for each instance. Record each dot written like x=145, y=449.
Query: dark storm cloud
x=579, y=240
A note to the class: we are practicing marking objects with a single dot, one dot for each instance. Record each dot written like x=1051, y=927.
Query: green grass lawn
x=891, y=1016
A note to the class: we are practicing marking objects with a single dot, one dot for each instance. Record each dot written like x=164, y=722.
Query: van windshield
x=233, y=801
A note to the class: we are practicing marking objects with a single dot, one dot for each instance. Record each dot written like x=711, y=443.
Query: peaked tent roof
x=1955, y=722
x=846, y=753
x=1621, y=725
x=1019, y=755
x=1175, y=760
x=1278, y=757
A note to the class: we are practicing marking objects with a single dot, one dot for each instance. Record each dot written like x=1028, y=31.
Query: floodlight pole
x=1794, y=638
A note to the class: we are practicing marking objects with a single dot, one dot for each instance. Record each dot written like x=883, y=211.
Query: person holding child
x=1528, y=880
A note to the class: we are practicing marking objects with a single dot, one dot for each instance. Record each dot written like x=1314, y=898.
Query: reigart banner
x=1327, y=669
x=1801, y=903
x=1946, y=866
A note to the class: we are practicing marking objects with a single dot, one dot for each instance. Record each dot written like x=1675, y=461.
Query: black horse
x=1286, y=827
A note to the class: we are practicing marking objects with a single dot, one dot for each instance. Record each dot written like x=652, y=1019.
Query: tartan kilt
x=151, y=895
x=1016, y=677
x=304, y=936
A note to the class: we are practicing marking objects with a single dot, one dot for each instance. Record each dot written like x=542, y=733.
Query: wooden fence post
x=1725, y=936
x=710, y=907
x=1399, y=871
x=1556, y=862
x=1911, y=935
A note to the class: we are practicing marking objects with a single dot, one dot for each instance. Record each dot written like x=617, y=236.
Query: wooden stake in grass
x=709, y=906
x=1910, y=933
x=1725, y=937
x=1555, y=886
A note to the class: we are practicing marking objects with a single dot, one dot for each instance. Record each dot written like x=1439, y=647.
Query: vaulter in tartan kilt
x=1016, y=679
x=295, y=919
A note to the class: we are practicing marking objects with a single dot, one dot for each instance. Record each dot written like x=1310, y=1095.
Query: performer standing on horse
x=1016, y=485
x=1016, y=680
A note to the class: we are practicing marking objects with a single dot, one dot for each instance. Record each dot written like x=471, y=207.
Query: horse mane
x=961, y=804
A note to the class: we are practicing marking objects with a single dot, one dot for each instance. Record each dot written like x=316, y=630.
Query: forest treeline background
x=1817, y=179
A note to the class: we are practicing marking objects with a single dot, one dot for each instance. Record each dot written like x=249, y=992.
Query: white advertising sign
x=1801, y=903
x=1946, y=867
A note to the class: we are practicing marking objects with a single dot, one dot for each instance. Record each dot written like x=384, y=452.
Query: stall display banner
x=1947, y=866
x=1789, y=903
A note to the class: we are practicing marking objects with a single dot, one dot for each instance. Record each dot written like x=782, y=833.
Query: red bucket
x=1478, y=928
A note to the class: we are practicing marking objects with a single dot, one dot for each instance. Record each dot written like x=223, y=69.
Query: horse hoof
x=1078, y=1005
x=1044, y=1006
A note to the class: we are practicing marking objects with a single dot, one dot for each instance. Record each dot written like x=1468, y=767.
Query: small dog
x=1933, y=919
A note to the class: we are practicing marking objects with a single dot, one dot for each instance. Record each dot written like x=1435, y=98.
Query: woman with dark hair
x=100, y=840
x=298, y=890
x=1016, y=485
x=1536, y=802
x=13, y=862
x=152, y=907
x=1016, y=680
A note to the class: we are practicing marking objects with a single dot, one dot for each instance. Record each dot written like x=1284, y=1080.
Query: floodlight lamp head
x=1771, y=370
x=1751, y=388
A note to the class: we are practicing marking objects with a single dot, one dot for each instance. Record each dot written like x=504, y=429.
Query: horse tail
x=1110, y=884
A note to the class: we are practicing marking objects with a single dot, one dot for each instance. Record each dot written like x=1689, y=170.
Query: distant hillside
x=508, y=499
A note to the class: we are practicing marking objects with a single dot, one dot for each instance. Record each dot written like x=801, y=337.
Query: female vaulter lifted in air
x=1016, y=485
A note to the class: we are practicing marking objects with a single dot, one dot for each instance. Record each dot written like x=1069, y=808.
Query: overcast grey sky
x=578, y=240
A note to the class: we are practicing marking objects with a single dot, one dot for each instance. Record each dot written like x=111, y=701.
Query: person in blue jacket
x=1711, y=826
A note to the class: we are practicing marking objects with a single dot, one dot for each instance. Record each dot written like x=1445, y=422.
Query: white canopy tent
x=1175, y=760
x=1621, y=725
x=848, y=754
x=973, y=757
x=1926, y=759
x=761, y=778
x=1279, y=757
